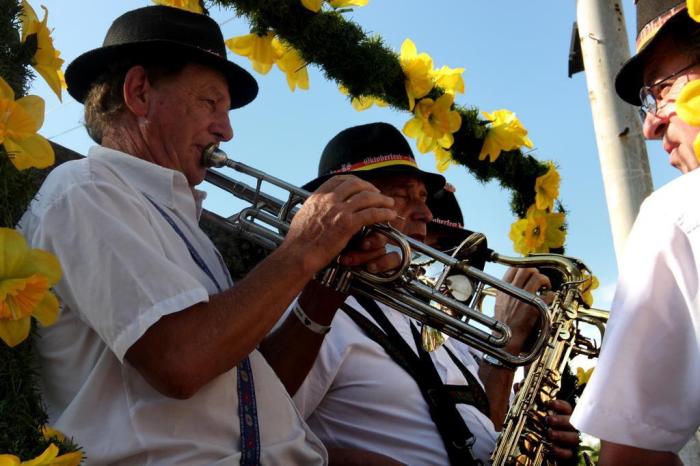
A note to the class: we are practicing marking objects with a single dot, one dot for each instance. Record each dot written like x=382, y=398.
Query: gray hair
x=104, y=103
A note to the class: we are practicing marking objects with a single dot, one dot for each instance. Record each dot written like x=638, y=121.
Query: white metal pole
x=621, y=148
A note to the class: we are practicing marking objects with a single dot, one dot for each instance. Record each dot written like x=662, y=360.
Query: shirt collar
x=166, y=187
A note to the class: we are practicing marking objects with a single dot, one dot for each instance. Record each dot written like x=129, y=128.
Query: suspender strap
x=247, y=407
x=473, y=394
x=455, y=434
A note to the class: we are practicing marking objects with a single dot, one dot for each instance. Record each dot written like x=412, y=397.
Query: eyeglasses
x=650, y=96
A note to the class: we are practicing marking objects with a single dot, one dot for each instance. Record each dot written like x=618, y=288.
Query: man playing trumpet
x=153, y=359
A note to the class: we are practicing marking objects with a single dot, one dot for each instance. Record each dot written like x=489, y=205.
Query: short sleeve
x=115, y=272
x=645, y=388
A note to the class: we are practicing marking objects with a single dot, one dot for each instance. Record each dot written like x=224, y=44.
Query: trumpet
x=268, y=218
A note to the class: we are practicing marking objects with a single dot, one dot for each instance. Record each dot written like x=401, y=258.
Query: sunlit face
x=676, y=135
x=410, y=196
x=187, y=112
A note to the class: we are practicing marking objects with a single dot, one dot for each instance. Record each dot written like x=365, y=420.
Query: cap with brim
x=368, y=151
x=655, y=18
x=161, y=33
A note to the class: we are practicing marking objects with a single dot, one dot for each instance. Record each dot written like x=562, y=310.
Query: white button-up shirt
x=645, y=389
x=124, y=267
x=357, y=396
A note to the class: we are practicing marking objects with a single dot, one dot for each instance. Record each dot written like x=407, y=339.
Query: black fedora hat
x=655, y=18
x=368, y=150
x=160, y=32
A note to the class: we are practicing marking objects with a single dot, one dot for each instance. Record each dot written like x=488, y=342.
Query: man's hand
x=520, y=316
x=563, y=435
x=330, y=218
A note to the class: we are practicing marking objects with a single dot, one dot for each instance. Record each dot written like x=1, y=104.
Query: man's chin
x=195, y=178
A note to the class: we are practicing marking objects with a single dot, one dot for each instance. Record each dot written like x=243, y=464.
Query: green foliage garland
x=22, y=412
x=367, y=67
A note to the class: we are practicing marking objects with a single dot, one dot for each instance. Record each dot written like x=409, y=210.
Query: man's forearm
x=615, y=454
x=185, y=350
x=498, y=384
x=292, y=349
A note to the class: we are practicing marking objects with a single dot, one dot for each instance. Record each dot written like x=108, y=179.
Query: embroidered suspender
x=455, y=434
x=247, y=407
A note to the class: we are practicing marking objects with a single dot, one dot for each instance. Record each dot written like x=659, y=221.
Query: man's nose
x=655, y=124
x=222, y=129
x=422, y=213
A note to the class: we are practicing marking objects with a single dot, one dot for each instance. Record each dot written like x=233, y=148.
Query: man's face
x=188, y=111
x=410, y=195
x=676, y=135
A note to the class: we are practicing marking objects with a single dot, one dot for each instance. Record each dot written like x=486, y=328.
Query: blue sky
x=515, y=55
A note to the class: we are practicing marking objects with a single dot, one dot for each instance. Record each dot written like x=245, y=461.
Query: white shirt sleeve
x=115, y=272
x=645, y=390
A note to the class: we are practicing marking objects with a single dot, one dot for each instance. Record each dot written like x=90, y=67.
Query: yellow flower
x=291, y=64
x=313, y=5
x=46, y=60
x=449, y=79
x=362, y=102
x=586, y=288
x=418, y=69
x=433, y=123
x=539, y=231
x=688, y=103
x=195, y=6
x=443, y=159
x=582, y=377
x=505, y=133
x=547, y=188
x=19, y=121
x=49, y=432
x=694, y=9
x=346, y=3
x=25, y=278
x=258, y=49
x=48, y=458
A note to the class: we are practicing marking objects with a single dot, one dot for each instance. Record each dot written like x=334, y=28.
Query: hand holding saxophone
x=562, y=434
x=518, y=315
x=332, y=216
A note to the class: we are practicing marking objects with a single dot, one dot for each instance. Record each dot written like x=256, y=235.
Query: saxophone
x=523, y=440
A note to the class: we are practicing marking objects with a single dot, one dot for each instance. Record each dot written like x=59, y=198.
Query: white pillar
x=621, y=148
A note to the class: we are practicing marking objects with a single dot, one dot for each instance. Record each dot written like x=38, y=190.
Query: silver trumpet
x=268, y=218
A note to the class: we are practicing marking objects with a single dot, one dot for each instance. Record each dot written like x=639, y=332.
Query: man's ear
x=136, y=90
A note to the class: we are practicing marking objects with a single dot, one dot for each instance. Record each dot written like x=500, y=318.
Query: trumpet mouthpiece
x=212, y=156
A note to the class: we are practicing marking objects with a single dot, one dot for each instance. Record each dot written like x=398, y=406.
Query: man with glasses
x=643, y=401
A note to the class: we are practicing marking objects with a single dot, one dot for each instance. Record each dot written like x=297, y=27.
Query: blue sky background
x=515, y=54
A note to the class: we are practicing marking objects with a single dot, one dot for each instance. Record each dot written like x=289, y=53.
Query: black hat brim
x=85, y=69
x=630, y=78
x=433, y=181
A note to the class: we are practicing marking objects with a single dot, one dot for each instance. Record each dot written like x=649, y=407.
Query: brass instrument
x=523, y=440
x=268, y=219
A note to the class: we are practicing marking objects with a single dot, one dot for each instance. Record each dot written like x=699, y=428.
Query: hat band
x=382, y=161
x=447, y=223
x=649, y=31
